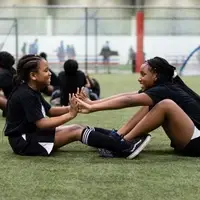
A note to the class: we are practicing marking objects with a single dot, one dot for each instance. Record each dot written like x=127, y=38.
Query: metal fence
x=81, y=33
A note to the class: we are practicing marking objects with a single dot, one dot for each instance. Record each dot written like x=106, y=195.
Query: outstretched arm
x=114, y=97
x=83, y=96
x=121, y=102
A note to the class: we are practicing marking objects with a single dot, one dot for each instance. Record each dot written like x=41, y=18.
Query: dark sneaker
x=106, y=153
x=137, y=146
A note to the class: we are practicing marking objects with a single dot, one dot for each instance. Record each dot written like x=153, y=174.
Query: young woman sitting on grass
x=30, y=131
x=166, y=101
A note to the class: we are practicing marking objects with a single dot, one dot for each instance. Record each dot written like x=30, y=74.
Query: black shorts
x=192, y=148
x=40, y=143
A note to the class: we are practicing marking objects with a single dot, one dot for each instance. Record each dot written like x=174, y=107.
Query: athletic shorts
x=193, y=147
x=40, y=143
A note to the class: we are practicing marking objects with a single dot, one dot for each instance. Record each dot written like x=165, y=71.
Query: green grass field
x=77, y=172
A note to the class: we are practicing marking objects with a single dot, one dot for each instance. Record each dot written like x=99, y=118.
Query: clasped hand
x=79, y=102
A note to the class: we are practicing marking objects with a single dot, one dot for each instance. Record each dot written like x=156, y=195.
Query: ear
x=155, y=77
x=33, y=76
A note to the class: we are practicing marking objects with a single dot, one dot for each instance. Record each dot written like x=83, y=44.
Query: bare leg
x=67, y=134
x=126, y=128
x=179, y=126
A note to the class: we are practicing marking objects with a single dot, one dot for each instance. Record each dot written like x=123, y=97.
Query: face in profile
x=43, y=76
x=147, y=77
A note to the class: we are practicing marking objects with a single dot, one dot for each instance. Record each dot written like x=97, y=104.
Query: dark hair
x=167, y=72
x=6, y=60
x=164, y=70
x=71, y=78
x=28, y=63
x=43, y=55
x=70, y=67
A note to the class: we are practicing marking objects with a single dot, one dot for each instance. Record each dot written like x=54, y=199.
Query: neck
x=33, y=86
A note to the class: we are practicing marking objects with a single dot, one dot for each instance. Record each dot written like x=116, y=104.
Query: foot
x=137, y=146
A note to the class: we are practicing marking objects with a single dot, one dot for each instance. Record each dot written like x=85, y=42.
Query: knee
x=77, y=128
x=166, y=104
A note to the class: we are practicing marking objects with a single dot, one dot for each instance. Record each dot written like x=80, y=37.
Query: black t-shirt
x=69, y=84
x=6, y=81
x=24, y=108
x=171, y=91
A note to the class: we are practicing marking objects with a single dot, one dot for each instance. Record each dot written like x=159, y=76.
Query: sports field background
x=77, y=172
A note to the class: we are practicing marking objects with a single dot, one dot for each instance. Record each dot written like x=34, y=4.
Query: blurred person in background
x=34, y=48
x=61, y=52
x=94, y=88
x=7, y=73
x=70, y=51
x=105, y=52
x=131, y=56
x=24, y=49
x=72, y=78
x=73, y=52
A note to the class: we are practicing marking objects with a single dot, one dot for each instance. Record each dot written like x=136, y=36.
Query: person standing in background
x=73, y=52
x=23, y=49
x=61, y=52
x=105, y=52
x=33, y=48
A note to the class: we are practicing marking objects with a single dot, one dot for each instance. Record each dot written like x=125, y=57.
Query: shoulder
x=24, y=92
x=157, y=88
x=5, y=72
x=61, y=76
x=62, y=73
x=154, y=89
x=80, y=73
x=158, y=93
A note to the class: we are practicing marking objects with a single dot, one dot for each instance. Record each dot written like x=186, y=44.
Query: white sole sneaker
x=139, y=149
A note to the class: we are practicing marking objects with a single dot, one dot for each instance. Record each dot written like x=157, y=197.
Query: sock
x=112, y=132
x=102, y=130
x=100, y=140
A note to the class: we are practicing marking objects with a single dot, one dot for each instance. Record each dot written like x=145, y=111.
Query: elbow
x=40, y=124
x=128, y=101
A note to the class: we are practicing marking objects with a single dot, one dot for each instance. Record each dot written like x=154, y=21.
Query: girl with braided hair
x=28, y=129
x=166, y=101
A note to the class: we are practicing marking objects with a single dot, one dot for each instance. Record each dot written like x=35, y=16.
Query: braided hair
x=167, y=73
x=162, y=68
x=26, y=65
